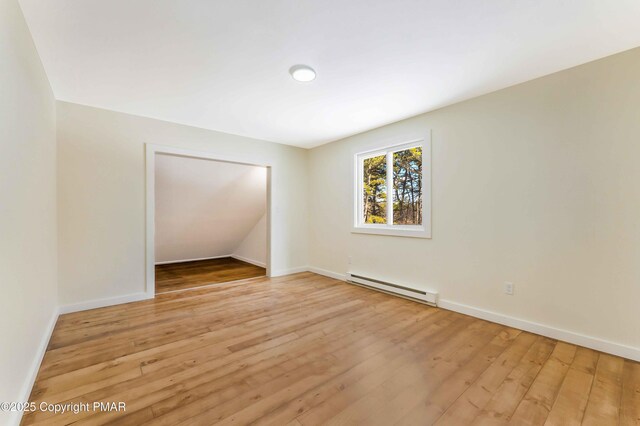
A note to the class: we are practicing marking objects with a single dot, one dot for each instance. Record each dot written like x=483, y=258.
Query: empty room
x=210, y=222
x=304, y=212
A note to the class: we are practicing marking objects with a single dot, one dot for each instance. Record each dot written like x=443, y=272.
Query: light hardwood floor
x=198, y=273
x=309, y=350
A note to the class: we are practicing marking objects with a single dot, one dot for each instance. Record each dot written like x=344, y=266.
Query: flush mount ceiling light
x=303, y=73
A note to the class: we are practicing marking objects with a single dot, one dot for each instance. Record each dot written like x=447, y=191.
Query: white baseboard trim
x=595, y=343
x=16, y=416
x=282, y=272
x=167, y=262
x=251, y=261
x=326, y=273
x=545, y=330
x=101, y=303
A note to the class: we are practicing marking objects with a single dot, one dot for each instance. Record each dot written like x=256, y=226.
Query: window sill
x=396, y=231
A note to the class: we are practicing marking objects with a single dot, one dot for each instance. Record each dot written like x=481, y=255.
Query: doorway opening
x=209, y=220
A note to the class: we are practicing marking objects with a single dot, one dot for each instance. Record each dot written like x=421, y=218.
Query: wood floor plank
x=345, y=389
x=435, y=402
x=315, y=390
x=539, y=399
x=90, y=352
x=506, y=399
x=569, y=406
x=200, y=374
x=197, y=273
x=403, y=391
x=308, y=350
x=186, y=371
x=630, y=401
x=357, y=373
x=212, y=407
x=603, y=406
x=262, y=366
x=468, y=405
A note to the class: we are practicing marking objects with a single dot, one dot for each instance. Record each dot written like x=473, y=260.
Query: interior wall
x=27, y=208
x=253, y=248
x=205, y=208
x=536, y=184
x=101, y=163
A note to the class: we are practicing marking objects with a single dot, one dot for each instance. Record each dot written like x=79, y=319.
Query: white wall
x=102, y=197
x=253, y=248
x=537, y=184
x=205, y=208
x=27, y=208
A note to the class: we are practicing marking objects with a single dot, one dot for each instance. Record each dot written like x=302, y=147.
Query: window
x=393, y=190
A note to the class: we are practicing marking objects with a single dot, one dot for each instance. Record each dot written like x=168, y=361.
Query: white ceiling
x=205, y=208
x=223, y=64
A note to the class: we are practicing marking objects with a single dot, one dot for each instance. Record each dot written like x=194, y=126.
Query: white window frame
x=414, y=231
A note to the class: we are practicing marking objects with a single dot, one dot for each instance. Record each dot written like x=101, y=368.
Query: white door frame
x=151, y=150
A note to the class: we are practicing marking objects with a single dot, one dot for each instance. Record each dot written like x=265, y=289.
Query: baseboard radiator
x=423, y=296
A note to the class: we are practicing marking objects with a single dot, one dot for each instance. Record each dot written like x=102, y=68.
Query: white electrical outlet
x=508, y=288
x=349, y=260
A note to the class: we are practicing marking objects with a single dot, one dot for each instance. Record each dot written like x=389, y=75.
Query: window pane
x=374, y=189
x=407, y=187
